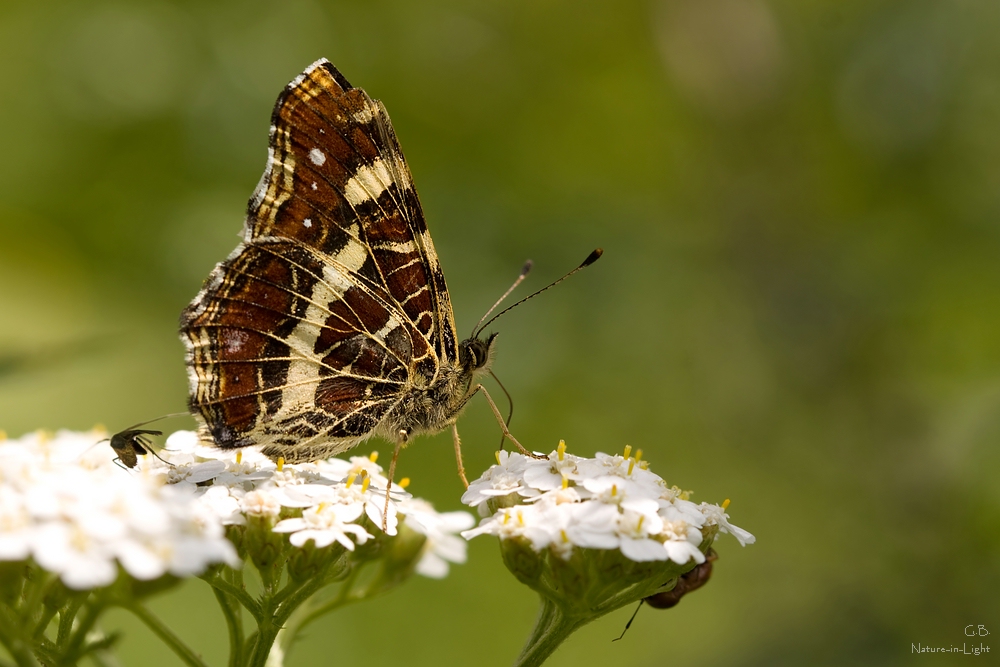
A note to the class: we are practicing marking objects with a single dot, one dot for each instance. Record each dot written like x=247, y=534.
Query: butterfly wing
x=334, y=305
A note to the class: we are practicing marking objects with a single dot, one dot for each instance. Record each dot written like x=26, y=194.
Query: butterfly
x=331, y=321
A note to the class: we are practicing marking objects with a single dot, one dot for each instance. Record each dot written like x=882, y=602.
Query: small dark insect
x=132, y=443
x=689, y=581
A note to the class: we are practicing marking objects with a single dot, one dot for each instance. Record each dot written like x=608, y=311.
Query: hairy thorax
x=432, y=408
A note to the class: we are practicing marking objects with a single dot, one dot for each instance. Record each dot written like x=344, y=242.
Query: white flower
x=519, y=521
x=636, y=532
x=194, y=473
x=682, y=542
x=608, y=502
x=15, y=526
x=443, y=545
x=716, y=516
x=503, y=479
x=325, y=524
x=81, y=561
x=261, y=502
x=225, y=503
x=547, y=474
x=64, y=503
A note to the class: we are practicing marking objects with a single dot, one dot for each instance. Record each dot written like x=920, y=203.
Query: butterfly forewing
x=334, y=308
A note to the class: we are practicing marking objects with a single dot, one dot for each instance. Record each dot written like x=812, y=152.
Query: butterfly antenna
x=525, y=270
x=510, y=401
x=591, y=258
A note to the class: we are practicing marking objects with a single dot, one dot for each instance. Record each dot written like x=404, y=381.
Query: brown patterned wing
x=334, y=161
x=335, y=304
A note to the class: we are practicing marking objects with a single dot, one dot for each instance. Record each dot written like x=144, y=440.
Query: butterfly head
x=475, y=354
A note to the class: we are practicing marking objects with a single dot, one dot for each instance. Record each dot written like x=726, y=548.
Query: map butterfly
x=331, y=321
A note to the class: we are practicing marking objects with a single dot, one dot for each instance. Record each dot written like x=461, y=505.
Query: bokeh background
x=798, y=307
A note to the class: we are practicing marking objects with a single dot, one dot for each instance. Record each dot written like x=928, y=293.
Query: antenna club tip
x=592, y=257
x=526, y=269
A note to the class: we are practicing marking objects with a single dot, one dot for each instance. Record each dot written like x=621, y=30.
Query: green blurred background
x=798, y=307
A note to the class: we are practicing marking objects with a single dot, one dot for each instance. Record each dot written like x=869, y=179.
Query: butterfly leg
x=503, y=424
x=404, y=435
x=458, y=454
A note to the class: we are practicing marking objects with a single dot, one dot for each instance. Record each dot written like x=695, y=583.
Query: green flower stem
x=66, y=617
x=275, y=615
x=219, y=583
x=167, y=635
x=75, y=648
x=46, y=616
x=551, y=629
x=234, y=623
x=309, y=612
x=16, y=647
x=38, y=581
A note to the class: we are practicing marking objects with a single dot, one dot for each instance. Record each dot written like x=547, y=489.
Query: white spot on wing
x=307, y=222
x=317, y=157
x=234, y=340
x=314, y=185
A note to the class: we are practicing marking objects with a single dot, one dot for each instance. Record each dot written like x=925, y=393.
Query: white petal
x=433, y=566
x=643, y=550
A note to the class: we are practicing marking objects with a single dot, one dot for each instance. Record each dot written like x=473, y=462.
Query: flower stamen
x=561, y=451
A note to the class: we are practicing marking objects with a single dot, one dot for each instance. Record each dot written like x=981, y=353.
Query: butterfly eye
x=474, y=353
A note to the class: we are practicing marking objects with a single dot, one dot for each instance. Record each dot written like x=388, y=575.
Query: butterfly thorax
x=431, y=409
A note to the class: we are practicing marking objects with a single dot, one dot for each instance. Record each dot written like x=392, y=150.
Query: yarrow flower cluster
x=322, y=503
x=593, y=534
x=562, y=502
x=71, y=521
x=64, y=504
